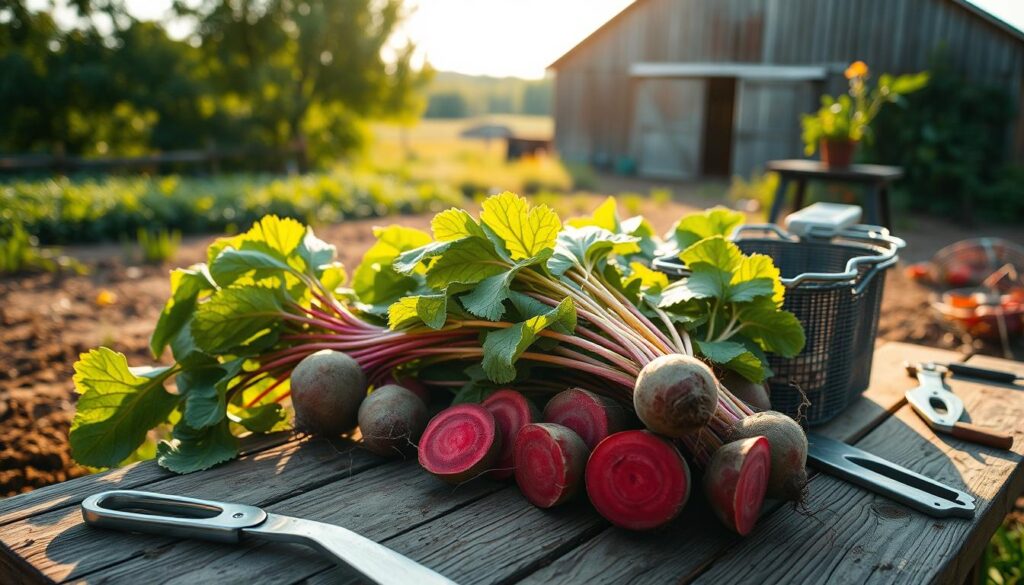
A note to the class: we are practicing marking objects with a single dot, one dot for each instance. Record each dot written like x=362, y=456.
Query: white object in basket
x=822, y=219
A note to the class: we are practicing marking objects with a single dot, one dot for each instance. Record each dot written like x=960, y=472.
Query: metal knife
x=888, y=479
x=178, y=516
x=942, y=409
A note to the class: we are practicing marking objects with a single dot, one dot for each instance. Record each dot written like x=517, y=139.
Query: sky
x=517, y=38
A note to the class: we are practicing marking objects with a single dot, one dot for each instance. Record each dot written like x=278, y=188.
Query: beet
x=512, y=411
x=409, y=383
x=550, y=461
x=736, y=481
x=590, y=416
x=755, y=394
x=392, y=419
x=675, y=395
x=637, y=480
x=327, y=388
x=460, y=443
x=788, y=450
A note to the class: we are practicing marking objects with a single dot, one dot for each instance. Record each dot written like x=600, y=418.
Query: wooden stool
x=876, y=179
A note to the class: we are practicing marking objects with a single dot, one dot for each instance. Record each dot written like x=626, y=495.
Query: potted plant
x=842, y=122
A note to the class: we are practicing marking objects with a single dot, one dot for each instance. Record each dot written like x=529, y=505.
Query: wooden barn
x=687, y=88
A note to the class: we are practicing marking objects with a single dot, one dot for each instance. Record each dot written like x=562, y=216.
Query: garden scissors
x=942, y=409
x=178, y=516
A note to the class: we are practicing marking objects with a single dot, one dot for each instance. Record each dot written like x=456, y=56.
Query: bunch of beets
x=478, y=323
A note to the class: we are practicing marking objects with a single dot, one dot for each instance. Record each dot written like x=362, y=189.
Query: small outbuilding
x=687, y=88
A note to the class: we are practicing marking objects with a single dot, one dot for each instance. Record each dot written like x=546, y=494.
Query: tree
x=283, y=61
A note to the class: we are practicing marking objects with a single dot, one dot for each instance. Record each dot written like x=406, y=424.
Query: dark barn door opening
x=721, y=99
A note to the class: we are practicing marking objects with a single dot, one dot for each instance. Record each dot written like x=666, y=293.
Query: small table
x=875, y=178
x=484, y=532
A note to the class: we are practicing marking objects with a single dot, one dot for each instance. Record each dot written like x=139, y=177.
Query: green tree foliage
x=951, y=138
x=268, y=73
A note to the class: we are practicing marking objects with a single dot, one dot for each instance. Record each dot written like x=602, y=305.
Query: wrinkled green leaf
x=717, y=221
x=315, y=253
x=264, y=418
x=431, y=310
x=232, y=264
x=187, y=284
x=117, y=407
x=455, y=224
x=467, y=261
x=526, y=230
x=235, y=318
x=487, y=298
x=375, y=281
x=192, y=450
x=503, y=347
x=734, y=356
x=776, y=331
x=587, y=246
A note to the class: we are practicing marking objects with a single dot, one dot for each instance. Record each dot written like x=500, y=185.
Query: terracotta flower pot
x=838, y=153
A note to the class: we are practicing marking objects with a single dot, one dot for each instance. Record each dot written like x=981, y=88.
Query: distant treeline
x=454, y=95
x=276, y=76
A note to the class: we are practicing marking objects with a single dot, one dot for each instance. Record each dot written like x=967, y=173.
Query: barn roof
x=970, y=7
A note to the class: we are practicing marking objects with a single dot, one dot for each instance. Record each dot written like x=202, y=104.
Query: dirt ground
x=46, y=321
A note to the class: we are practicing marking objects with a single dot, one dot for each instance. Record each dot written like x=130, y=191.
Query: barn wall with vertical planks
x=594, y=92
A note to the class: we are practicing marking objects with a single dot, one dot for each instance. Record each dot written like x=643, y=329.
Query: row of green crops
x=65, y=210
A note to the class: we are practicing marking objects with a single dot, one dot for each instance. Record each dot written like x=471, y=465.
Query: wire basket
x=834, y=286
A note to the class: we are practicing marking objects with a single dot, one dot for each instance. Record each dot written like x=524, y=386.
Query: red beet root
x=736, y=480
x=550, y=461
x=512, y=411
x=637, y=480
x=460, y=443
x=590, y=416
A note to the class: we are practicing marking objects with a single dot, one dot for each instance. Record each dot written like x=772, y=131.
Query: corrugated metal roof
x=970, y=7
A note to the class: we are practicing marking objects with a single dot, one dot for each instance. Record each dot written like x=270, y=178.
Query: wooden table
x=875, y=179
x=484, y=532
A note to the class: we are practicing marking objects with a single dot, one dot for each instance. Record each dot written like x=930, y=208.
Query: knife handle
x=982, y=373
x=982, y=435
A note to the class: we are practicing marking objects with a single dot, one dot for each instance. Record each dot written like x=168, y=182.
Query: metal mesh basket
x=834, y=287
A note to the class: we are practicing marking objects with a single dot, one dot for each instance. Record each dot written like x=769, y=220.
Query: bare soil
x=47, y=320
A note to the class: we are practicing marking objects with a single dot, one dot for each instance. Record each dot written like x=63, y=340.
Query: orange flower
x=856, y=69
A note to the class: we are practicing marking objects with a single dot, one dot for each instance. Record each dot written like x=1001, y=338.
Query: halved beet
x=736, y=481
x=550, y=461
x=590, y=416
x=512, y=411
x=460, y=443
x=637, y=480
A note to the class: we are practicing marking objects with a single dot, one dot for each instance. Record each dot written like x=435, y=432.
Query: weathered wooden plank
x=379, y=503
x=852, y=535
x=697, y=538
x=71, y=493
x=494, y=540
x=59, y=546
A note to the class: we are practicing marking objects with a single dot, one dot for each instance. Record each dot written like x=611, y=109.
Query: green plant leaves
x=455, y=224
x=431, y=310
x=192, y=449
x=231, y=264
x=186, y=286
x=526, y=230
x=466, y=261
x=734, y=356
x=776, y=331
x=587, y=246
x=117, y=407
x=717, y=221
x=375, y=281
x=503, y=347
x=239, y=320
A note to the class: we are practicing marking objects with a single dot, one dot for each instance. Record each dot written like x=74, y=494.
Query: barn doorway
x=721, y=101
x=668, y=126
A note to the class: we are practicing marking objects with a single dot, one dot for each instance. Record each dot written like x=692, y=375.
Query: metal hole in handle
x=137, y=504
